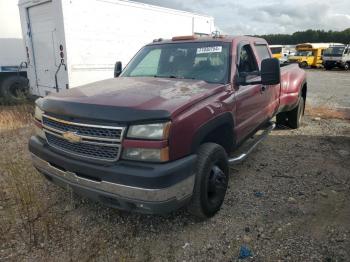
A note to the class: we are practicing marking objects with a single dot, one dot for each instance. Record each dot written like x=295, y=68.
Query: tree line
x=311, y=36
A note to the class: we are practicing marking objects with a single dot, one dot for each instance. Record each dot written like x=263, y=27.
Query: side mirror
x=242, y=78
x=117, y=69
x=270, y=71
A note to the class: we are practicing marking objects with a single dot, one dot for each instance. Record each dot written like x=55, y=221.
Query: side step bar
x=243, y=156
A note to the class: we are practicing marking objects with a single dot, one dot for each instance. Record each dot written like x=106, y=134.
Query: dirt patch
x=326, y=112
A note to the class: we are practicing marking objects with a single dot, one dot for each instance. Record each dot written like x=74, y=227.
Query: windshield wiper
x=170, y=76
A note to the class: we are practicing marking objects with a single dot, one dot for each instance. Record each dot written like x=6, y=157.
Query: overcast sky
x=236, y=16
x=10, y=26
x=268, y=16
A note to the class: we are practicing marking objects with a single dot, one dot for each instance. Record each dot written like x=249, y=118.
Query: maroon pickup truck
x=161, y=134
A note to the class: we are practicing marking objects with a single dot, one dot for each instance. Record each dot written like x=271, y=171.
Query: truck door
x=271, y=94
x=41, y=19
x=250, y=99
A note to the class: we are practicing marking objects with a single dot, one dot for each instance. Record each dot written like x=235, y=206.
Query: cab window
x=247, y=62
x=262, y=51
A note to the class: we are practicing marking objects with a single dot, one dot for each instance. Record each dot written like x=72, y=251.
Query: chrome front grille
x=90, y=141
x=93, y=131
x=83, y=149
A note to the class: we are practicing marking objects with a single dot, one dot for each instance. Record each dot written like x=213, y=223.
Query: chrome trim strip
x=84, y=156
x=86, y=125
x=81, y=124
x=84, y=141
x=243, y=156
x=179, y=191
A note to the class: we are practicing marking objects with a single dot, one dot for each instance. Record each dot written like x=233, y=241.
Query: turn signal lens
x=147, y=154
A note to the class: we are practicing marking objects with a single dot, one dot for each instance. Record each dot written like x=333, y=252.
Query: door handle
x=263, y=88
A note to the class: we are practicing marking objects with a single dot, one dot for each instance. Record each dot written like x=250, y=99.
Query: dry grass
x=14, y=117
x=31, y=217
x=23, y=216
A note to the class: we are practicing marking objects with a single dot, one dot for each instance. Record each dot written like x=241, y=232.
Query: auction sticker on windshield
x=209, y=49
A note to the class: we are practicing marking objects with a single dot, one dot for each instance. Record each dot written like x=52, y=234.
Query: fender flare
x=211, y=125
x=303, y=83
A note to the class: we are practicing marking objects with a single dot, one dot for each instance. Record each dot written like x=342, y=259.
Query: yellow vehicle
x=309, y=54
x=276, y=51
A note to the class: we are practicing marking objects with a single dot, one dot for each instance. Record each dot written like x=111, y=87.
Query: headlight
x=158, y=131
x=146, y=154
x=38, y=120
x=38, y=115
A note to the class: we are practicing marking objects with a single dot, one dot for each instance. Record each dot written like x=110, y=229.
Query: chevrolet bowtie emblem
x=71, y=137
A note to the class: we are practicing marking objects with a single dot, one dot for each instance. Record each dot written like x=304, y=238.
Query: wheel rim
x=216, y=185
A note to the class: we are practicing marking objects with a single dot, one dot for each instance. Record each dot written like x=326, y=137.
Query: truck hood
x=128, y=99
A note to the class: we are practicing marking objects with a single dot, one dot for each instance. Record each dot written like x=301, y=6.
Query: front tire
x=347, y=66
x=211, y=181
x=303, y=65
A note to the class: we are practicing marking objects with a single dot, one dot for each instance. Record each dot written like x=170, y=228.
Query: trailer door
x=42, y=27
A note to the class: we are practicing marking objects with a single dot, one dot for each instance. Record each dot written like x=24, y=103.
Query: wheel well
x=4, y=75
x=222, y=135
x=304, y=91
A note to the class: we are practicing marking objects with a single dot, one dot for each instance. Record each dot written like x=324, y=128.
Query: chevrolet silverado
x=162, y=134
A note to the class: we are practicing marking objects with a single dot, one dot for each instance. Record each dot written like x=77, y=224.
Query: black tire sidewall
x=281, y=118
x=303, y=65
x=217, y=158
x=6, y=85
x=209, y=154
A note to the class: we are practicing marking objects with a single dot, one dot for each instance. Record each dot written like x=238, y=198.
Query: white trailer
x=74, y=42
x=12, y=53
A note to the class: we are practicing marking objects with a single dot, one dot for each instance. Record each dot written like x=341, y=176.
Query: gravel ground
x=329, y=88
x=289, y=201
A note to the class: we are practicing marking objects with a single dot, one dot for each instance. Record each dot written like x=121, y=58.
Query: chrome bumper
x=179, y=191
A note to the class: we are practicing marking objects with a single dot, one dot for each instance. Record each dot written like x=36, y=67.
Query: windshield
x=336, y=50
x=276, y=50
x=207, y=61
x=303, y=53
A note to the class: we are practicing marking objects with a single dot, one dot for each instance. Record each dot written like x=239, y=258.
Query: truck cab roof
x=215, y=38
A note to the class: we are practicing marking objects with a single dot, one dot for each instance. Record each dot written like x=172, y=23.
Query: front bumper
x=165, y=187
x=333, y=63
